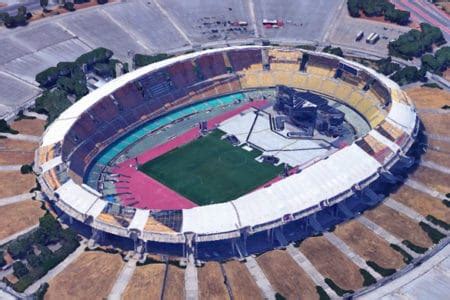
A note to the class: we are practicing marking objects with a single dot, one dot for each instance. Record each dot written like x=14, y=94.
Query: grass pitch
x=210, y=170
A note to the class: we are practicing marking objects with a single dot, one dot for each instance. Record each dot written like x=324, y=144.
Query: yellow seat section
x=329, y=86
x=377, y=119
x=343, y=91
x=298, y=80
x=313, y=83
x=355, y=98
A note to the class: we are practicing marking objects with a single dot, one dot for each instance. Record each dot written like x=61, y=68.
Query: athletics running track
x=139, y=190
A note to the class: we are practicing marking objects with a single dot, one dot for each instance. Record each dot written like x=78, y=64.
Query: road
x=423, y=11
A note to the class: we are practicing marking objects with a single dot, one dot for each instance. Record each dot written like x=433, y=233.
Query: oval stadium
x=88, y=156
x=171, y=149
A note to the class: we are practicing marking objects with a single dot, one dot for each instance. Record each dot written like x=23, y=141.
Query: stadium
x=207, y=156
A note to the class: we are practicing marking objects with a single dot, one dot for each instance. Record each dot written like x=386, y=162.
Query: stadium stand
x=316, y=198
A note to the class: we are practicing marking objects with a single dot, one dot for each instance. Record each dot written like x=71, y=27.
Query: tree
x=69, y=6
x=26, y=169
x=43, y=4
x=20, y=269
x=22, y=10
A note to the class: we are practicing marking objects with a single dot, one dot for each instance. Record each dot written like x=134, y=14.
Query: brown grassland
x=332, y=263
x=14, y=183
x=19, y=216
x=241, y=281
x=91, y=276
x=369, y=245
x=399, y=225
x=146, y=282
x=211, y=282
x=286, y=277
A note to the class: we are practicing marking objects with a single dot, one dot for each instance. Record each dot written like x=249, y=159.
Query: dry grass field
x=369, y=245
x=146, y=282
x=399, y=225
x=332, y=263
x=211, y=282
x=425, y=97
x=19, y=216
x=174, y=289
x=440, y=146
x=91, y=276
x=241, y=281
x=14, y=183
x=286, y=277
x=441, y=158
x=422, y=203
x=14, y=152
x=436, y=123
x=433, y=179
x=29, y=126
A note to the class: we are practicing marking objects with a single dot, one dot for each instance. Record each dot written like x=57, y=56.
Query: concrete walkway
x=17, y=234
x=22, y=137
x=36, y=115
x=309, y=268
x=438, y=137
x=415, y=280
x=10, y=168
x=385, y=234
x=432, y=165
x=260, y=278
x=15, y=199
x=56, y=270
x=191, y=281
x=355, y=258
x=423, y=188
x=411, y=213
x=173, y=21
x=122, y=280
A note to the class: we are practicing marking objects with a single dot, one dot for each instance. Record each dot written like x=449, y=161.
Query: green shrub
x=380, y=270
x=341, y=292
x=386, y=66
x=333, y=50
x=40, y=293
x=101, y=2
x=4, y=127
x=99, y=55
x=52, y=103
x=2, y=259
x=409, y=74
x=414, y=247
x=415, y=43
x=376, y=8
x=446, y=202
x=69, y=6
x=278, y=296
x=406, y=257
x=434, y=235
x=20, y=270
x=368, y=278
x=438, y=222
x=26, y=169
x=322, y=294
x=432, y=85
x=141, y=60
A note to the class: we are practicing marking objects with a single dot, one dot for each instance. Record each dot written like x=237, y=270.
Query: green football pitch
x=210, y=170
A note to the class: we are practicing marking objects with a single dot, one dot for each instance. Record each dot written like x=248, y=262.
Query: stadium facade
x=324, y=192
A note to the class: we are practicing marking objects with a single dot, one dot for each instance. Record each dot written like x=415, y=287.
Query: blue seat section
x=260, y=242
x=132, y=137
x=216, y=250
x=107, y=239
x=165, y=248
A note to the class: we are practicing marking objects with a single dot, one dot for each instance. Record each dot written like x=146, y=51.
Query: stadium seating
x=211, y=65
x=243, y=59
